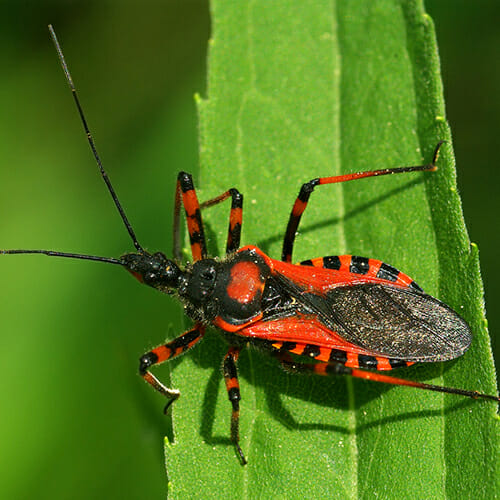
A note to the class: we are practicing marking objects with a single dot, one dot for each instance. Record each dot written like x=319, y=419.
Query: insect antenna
x=91, y=140
x=53, y=253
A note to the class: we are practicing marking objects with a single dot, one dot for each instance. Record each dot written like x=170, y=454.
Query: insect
x=337, y=315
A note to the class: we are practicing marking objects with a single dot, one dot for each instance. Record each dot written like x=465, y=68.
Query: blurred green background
x=76, y=421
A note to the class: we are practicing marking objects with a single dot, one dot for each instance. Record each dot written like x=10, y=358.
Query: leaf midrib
x=337, y=160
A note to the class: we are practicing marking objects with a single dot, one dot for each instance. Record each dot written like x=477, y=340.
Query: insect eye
x=208, y=274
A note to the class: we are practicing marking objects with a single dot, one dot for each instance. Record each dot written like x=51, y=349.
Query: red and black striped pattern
x=235, y=216
x=165, y=352
x=185, y=190
x=349, y=359
x=186, y=194
x=233, y=392
x=369, y=268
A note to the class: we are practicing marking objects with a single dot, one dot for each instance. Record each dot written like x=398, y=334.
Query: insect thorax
x=229, y=291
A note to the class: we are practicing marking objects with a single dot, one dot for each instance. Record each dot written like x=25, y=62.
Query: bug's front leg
x=165, y=352
x=235, y=217
x=185, y=193
x=233, y=391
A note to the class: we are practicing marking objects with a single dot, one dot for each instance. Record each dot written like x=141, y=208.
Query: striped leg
x=233, y=392
x=186, y=193
x=235, y=216
x=165, y=352
x=340, y=369
x=307, y=188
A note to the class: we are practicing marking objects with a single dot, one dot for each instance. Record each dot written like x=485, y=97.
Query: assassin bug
x=346, y=313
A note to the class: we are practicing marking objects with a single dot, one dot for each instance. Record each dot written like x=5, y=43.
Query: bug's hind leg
x=337, y=368
x=165, y=352
x=233, y=391
x=307, y=188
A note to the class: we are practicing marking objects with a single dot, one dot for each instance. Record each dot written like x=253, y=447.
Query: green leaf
x=298, y=90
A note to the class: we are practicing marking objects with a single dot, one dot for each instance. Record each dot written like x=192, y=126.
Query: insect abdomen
x=370, y=268
x=349, y=359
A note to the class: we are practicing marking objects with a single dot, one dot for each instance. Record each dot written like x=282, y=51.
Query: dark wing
x=395, y=322
x=390, y=321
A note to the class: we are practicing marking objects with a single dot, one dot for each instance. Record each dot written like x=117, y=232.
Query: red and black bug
x=345, y=313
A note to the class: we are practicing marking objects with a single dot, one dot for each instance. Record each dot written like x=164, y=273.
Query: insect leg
x=165, y=352
x=185, y=192
x=339, y=369
x=235, y=216
x=233, y=392
x=307, y=188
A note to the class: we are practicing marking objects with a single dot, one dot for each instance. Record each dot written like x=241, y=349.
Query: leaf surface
x=298, y=90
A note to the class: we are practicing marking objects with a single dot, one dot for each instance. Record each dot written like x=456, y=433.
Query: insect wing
x=391, y=321
x=397, y=322
x=382, y=318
